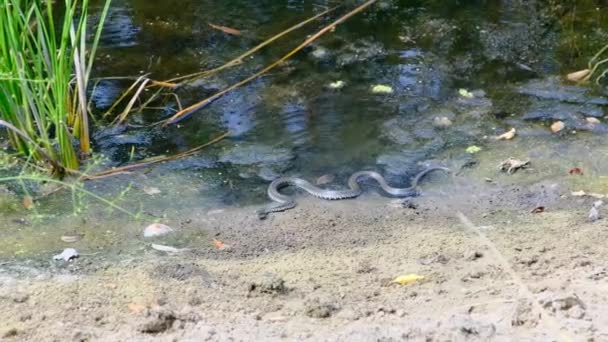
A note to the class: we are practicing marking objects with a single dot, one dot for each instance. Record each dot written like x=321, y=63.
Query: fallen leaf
x=408, y=279
x=442, y=122
x=220, y=245
x=465, y=93
x=136, y=307
x=576, y=172
x=578, y=75
x=557, y=126
x=28, y=202
x=473, y=149
x=157, y=229
x=538, y=210
x=592, y=120
x=511, y=165
x=150, y=190
x=507, y=135
x=226, y=29
x=382, y=89
x=337, y=85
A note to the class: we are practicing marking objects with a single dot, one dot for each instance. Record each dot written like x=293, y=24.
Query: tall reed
x=45, y=66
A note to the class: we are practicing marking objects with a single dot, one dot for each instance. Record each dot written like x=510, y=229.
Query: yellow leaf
x=473, y=149
x=465, y=93
x=337, y=84
x=408, y=279
x=382, y=89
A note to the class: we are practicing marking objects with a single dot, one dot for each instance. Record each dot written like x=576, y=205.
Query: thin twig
x=187, y=111
x=127, y=168
x=238, y=60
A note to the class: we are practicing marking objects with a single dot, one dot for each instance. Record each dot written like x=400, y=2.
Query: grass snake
x=284, y=202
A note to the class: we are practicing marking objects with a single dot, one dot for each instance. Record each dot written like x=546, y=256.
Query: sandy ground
x=493, y=271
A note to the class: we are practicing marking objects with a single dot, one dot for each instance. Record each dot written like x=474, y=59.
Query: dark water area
x=460, y=73
x=291, y=121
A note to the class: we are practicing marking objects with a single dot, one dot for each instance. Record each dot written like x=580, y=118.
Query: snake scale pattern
x=283, y=202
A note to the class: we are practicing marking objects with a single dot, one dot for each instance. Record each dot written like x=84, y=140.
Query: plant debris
x=382, y=89
x=511, y=165
x=226, y=29
x=578, y=76
x=473, y=149
x=507, y=135
x=408, y=279
x=465, y=93
x=577, y=171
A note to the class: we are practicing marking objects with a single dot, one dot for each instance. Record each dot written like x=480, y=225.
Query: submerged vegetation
x=45, y=67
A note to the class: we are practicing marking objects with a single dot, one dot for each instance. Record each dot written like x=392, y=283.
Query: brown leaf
x=220, y=245
x=507, y=135
x=28, y=202
x=538, y=210
x=577, y=171
x=136, y=307
x=226, y=29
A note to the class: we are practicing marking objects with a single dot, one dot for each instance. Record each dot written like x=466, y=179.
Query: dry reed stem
x=125, y=169
x=238, y=60
x=187, y=111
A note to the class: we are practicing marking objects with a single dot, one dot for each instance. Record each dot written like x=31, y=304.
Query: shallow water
x=291, y=123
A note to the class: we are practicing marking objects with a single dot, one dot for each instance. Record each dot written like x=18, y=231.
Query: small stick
x=238, y=60
x=187, y=111
x=126, y=168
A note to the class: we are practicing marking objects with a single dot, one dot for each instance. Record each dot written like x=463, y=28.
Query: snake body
x=284, y=202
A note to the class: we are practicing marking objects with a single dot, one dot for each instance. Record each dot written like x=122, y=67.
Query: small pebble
x=67, y=255
x=594, y=214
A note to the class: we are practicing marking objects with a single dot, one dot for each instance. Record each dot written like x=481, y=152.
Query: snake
x=283, y=202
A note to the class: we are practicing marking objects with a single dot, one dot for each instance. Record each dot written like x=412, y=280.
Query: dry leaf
x=511, y=165
x=578, y=75
x=576, y=172
x=220, y=245
x=592, y=120
x=408, y=279
x=557, y=126
x=157, y=229
x=28, y=202
x=226, y=29
x=538, y=210
x=136, y=308
x=507, y=135
x=150, y=190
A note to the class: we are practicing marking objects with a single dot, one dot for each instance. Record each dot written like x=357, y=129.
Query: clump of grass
x=45, y=67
